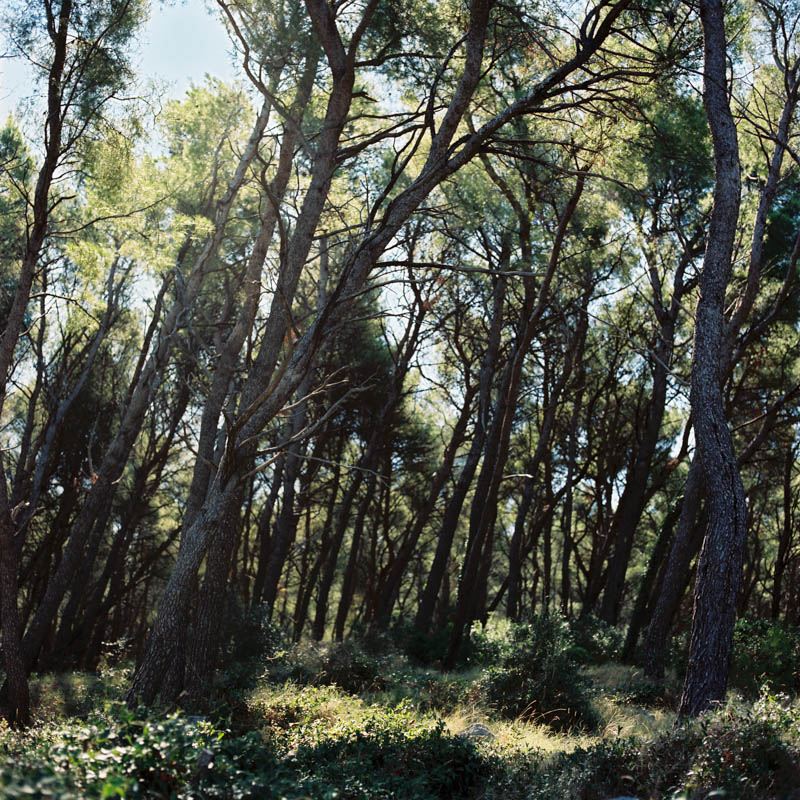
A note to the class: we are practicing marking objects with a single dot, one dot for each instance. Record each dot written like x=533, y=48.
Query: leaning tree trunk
x=719, y=569
x=785, y=540
x=650, y=584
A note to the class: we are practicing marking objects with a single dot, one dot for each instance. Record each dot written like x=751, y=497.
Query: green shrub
x=739, y=755
x=390, y=754
x=115, y=754
x=251, y=635
x=764, y=651
x=342, y=664
x=347, y=666
x=481, y=648
x=594, y=640
x=385, y=754
x=431, y=691
x=537, y=678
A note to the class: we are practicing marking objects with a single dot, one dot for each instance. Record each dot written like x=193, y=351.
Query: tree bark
x=719, y=569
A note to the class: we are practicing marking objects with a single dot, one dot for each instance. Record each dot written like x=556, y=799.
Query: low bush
x=537, y=678
x=249, y=634
x=343, y=664
x=738, y=755
x=378, y=754
x=390, y=753
x=114, y=754
x=429, y=648
x=764, y=651
x=594, y=641
x=431, y=691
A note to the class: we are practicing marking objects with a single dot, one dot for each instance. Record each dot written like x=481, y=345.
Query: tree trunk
x=444, y=543
x=719, y=569
x=684, y=547
x=785, y=540
x=647, y=588
x=349, y=577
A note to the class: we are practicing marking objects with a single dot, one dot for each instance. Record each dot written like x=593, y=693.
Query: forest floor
x=337, y=721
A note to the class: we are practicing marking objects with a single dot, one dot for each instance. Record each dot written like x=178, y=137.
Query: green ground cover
x=363, y=720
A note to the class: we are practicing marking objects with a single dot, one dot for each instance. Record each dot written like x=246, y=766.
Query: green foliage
x=430, y=647
x=119, y=754
x=594, y=640
x=537, y=677
x=114, y=754
x=731, y=754
x=432, y=691
x=764, y=651
x=251, y=634
x=98, y=60
x=343, y=664
x=317, y=742
x=16, y=168
x=388, y=754
x=347, y=666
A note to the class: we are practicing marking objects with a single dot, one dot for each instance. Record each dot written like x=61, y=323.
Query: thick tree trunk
x=719, y=569
x=15, y=706
x=212, y=608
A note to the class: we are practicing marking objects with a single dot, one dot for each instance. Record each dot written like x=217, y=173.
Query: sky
x=179, y=44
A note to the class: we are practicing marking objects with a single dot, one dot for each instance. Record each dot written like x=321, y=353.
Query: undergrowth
x=362, y=722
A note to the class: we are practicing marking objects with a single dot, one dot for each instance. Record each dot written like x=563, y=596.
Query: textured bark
x=212, y=608
x=688, y=537
x=169, y=625
x=15, y=704
x=16, y=699
x=719, y=569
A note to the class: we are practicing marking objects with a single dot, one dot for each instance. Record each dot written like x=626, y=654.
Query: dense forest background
x=445, y=311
